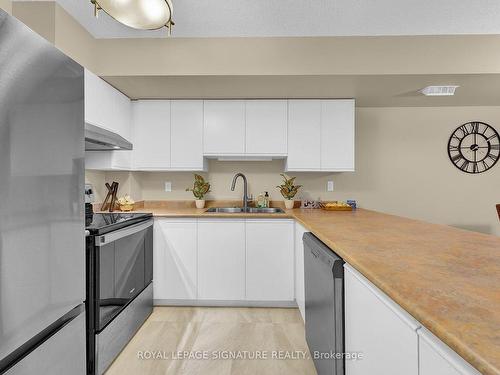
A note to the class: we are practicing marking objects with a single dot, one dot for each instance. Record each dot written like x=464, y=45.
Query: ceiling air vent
x=439, y=90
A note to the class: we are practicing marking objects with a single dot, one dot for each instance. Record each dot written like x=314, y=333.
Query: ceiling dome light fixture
x=138, y=14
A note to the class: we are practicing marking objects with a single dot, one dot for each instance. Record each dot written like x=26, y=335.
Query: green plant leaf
x=288, y=190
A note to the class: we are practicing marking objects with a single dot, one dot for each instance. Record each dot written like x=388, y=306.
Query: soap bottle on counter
x=267, y=200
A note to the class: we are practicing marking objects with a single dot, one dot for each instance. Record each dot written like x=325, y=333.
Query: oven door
x=123, y=267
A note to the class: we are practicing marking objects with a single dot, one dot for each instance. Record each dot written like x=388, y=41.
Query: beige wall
x=298, y=67
x=39, y=16
x=51, y=21
x=74, y=40
x=299, y=55
x=6, y=5
x=402, y=167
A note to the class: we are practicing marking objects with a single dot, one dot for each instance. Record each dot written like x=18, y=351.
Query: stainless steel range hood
x=99, y=139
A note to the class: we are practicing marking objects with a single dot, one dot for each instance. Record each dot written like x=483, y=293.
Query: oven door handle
x=128, y=231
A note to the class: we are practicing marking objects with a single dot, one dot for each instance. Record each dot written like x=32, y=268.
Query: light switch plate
x=329, y=186
x=168, y=186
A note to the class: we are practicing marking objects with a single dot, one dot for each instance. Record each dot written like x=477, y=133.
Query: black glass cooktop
x=101, y=223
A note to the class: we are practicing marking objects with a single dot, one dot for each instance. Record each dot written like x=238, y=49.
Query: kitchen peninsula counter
x=446, y=278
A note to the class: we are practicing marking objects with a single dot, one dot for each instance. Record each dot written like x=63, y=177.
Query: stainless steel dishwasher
x=324, y=295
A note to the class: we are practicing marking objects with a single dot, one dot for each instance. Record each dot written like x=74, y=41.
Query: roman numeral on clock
x=465, y=165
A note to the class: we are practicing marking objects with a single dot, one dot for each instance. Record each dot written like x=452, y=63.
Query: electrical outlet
x=329, y=186
x=168, y=186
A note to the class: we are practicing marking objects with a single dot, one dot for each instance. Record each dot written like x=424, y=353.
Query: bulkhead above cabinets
x=180, y=135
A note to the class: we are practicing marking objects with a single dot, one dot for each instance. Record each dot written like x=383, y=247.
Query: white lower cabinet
x=221, y=259
x=436, y=358
x=299, y=269
x=209, y=261
x=269, y=260
x=379, y=329
x=175, y=259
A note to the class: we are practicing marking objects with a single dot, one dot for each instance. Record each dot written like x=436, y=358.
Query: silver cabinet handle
x=132, y=291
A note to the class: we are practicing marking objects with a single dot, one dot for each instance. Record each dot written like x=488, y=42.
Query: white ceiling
x=260, y=18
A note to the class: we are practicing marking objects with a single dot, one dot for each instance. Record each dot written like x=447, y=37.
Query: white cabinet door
x=304, y=132
x=337, y=135
x=221, y=259
x=95, y=100
x=269, y=260
x=151, y=134
x=379, y=329
x=187, y=134
x=224, y=127
x=436, y=358
x=175, y=259
x=299, y=269
x=266, y=127
x=122, y=114
x=106, y=107
x=108, y=160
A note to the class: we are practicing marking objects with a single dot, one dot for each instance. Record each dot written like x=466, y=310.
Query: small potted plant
x=199, y=189
x=288, y=190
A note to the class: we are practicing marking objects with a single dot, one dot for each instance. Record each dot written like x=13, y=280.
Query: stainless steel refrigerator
x=42, y=259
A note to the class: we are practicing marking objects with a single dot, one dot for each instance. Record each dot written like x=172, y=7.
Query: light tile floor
x=214, y=332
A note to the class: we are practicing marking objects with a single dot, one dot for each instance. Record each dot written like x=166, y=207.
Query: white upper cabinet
x=337, y=135
x=151, y=135
x=224, y=127
x=187, y=135
x=304, y=129
x=435, y=357
x=314, y=135
x=108, y=160
x=321, y=135
x=266, y=127
x=378, y=328
x=269, y=260
x=107, y=107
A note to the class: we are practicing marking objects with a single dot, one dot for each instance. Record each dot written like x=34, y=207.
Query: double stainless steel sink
x=248, y=210
x=245, y=209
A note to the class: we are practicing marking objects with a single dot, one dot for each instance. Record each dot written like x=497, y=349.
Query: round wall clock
x=474, y=147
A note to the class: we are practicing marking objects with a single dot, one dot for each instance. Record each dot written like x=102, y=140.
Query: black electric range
x=102, y=223
x=119, y=263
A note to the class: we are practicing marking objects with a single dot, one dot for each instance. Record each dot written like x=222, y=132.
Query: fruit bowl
x=126, y=207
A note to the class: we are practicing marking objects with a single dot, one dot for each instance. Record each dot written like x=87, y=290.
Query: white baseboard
x=222, y=303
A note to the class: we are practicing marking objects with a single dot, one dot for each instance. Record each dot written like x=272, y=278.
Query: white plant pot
x=200, y=203
x=289, y=203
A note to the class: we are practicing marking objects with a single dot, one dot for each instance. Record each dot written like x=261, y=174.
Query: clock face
x=474, y=147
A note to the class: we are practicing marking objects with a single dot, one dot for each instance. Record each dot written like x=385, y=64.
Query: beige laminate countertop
x=446, y=278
